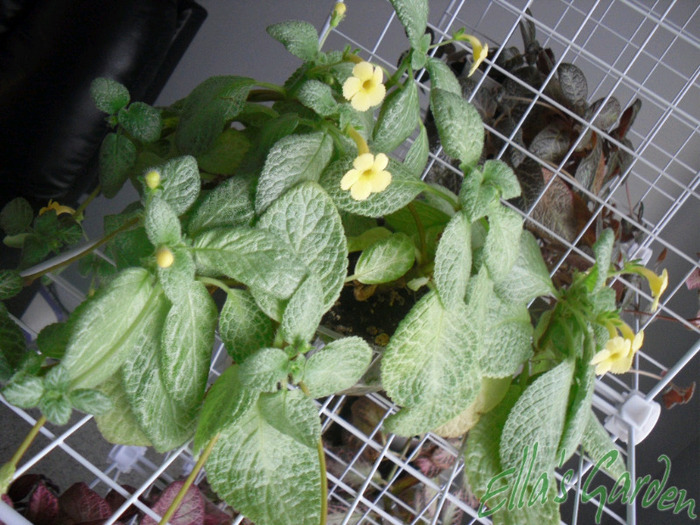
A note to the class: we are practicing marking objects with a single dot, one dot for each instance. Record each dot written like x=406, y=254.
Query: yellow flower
x=657, y=284
x=364, y=89
x=152, y=179
x=616, y=357
x=368, y=176
x=479, y=51
x=53, y=205
x=164, y=257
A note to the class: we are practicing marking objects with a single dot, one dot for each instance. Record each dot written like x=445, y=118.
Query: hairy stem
x=9, y=468
x=322, y=461
x=188, y=482
x=79, y=212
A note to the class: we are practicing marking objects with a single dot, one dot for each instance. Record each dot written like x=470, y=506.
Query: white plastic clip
x=126, y=458
x=635, y=411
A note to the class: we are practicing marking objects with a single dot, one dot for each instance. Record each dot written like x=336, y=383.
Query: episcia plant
x=258, y=205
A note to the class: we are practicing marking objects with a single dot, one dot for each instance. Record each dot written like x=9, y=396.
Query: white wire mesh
x=627, y=49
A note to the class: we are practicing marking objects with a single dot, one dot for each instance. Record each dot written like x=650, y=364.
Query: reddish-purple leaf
x=213, y=515
x=6, y=499
x=693, y=282
x=675, y=395
x=82, y=504
x=116, y=500
x=43, y=506
x=190, y=511
x=23, y=486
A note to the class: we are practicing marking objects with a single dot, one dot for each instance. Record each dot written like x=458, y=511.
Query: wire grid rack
x=627, y=49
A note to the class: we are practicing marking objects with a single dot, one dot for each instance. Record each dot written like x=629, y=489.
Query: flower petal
x=380, y=181
x=361, y=189
x=363, y=162
x=363, y=71
x=351, y=86
x=378, y=75
x=380, y=162
x=349, y=179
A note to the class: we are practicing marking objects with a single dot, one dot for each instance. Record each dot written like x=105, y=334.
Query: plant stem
x=79, y=212
x=214, y=282
x=421, y=232
x=322, y=462
x=10, y=467
x=29, y=278
x=188, y=482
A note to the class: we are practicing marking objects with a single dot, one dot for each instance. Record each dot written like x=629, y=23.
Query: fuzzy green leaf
x=476, y=198
x=177, y=279
x=255, y=257
x=229, y=204
x=459, y=126
x=308, y=222
x=579, y=407
x=413, y=15
x=109, y=95
x=293, y=159
x=298, y=37
x=207, y=109
x=225, y=154
x=90, y=401
x=453, y=261
x=12, y=345
x=528, y=424
x=319, y=97
x=226, y=401
x=603, y=249
x=119, y=425
x=263, y=370
x=529, y=277
x=337, y=366
x=56, y=408
x=117, y=156
x=303, y=312
x=500, y=175
x=180, y=183
x=397, y=119
x=57, y=379
x=417, y=155
x=503, y=241
x=367, y=238
x=16, y=216
x=108, y=328
x=442, y=77
x=24, y=392
x=161, y=223
x=53, y=339
x=166, y=422
x=243, y=327
x=265, y=463
x=386, y=260
x=430, y=366
x=186, y=344
x=597, y=444
x=404, y=187
x=508, y=342
x=141, y=121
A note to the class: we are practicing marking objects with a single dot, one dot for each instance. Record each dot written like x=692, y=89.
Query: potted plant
x=273, y=200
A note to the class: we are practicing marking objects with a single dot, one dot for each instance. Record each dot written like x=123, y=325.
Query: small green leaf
x=243, y=327
x=109, y=95
x=453, y=261
x=207, y=109
x=398, y=117
x=303, y=312
x=430, y=366
x=56, y=408
x=177, y=279
x=459, y=126
x=500, y=175
x=265, y=462
x=90, y=401
x=413, y=15
x=337, y=366
x=107, y=327
x=24, y=392
x=119, y=425
x=141, y=121
x=603, y=250
x=11, y=284
x=16, y=216
x=161, y=223
x=308, y=222
x=367, y=238
x=180, y=183
x=417, y=155
x=502, y=241
x=293, y=159
x=318, y=96
x=226, y=401
x=386, y=260
x=579, y=408
x=442, y=77
x=53, y=339
x=12, y=345
x=298, y=37
x=419, y=53
x=225, y=154
x=404, y=187
x=254, y=257
x=117, y=156
x=475, y=197
x=186, y=344
x=528, y=424
x=598, y=444
x=529, y=276
x=264, y=370
x=229, y=204
x=57, y=379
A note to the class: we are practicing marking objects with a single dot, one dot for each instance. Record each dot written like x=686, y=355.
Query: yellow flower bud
x=164, y=257
x=340, y=9
x=152, y=179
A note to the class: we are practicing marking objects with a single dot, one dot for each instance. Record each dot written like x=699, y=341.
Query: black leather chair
x=50, y=51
